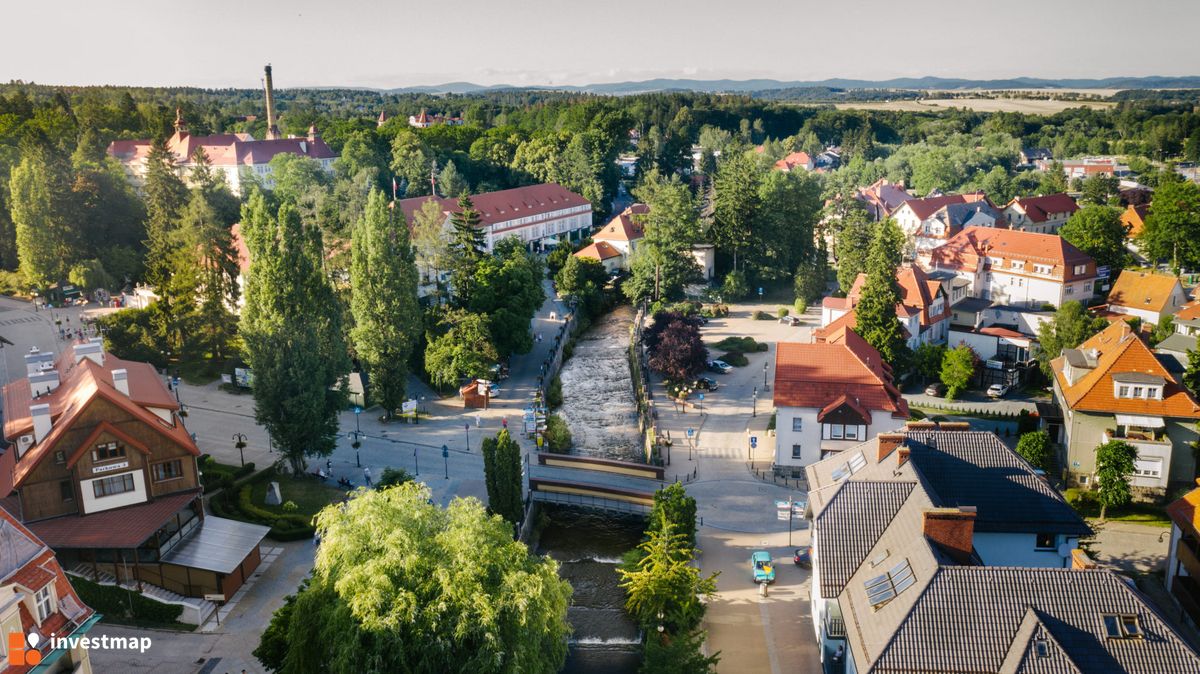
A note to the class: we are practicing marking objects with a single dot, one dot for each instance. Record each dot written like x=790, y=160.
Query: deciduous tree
x=1172, y=230
x=679, y=352
x=291, y=325
x=1114, y=466
x=387, y=320
x=958, y=366
x=44, y=216
x=502, y=477
x=1099, y=232
x=461, y=349
x=1068, y=328
x=402, y=585
x=1034, y=447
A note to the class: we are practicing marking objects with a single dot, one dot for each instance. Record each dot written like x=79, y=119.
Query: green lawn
x=308, y=493
x=1137, y=513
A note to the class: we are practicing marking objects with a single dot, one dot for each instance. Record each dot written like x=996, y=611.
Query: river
x=598, y=404
x=588, y=546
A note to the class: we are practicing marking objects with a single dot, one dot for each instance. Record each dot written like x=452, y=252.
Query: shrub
x=557, y=435
x=290, y=506
x=115, y=603
x=740, y=345
x=761, y=316
x=735, y=286
x=554, y=396
x=714, y=310
x=735, y=359
x=1079, y=498
x=392, y=477
x=800, y=306
x=783, y=311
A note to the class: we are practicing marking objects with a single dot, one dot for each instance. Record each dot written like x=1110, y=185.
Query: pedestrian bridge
x=603, y=484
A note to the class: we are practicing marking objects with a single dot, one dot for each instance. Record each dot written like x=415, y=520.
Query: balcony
x=1153, y=436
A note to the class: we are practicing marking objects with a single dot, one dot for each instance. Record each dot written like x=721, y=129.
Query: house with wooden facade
x=101, y=468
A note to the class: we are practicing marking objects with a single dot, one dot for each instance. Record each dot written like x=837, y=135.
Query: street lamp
x=755, y=412
x=446, y=458
x=356, y=444
x=416, y=461
x=467, y=428
x=240, y=443
x=766, y=364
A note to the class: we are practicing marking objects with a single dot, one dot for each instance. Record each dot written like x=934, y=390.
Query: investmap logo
x=22, y=648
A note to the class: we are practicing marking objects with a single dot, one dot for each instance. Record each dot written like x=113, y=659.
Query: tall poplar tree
x=387, y=320
x=291, y=325
x=876, y=309
x=502, y=477
x=44, y=216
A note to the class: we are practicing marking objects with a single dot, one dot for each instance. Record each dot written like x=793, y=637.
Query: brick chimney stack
x=272, y=127
x=953, y=529
x=887, y=443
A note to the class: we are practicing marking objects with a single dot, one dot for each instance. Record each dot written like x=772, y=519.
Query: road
x=737, y=510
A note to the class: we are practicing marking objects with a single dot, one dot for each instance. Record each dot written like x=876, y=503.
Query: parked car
x=803, y=557
x=703, y=319
x=790, y=320
x=936, y=389
x=997, y=391
x=705, y=384
x=720, y=366
x=762, y=570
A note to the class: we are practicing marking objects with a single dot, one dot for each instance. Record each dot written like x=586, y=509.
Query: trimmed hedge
x=736, y=359
x=740, y=345
x=238, y=505
x=113, y=602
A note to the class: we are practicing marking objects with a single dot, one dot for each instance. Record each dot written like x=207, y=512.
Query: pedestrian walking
x=553, y=315
x=367, y=476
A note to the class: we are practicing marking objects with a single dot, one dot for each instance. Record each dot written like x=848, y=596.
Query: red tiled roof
x=35, y=574
x=814, y=375
x=1041, y=208
x=624, y=226
x=600, y=250
x=1134, y=219
x=883, y=196
x=1143, y=290
x=1122, y=350
x=793, y=160
x=1189, y=311
x=225, y=149
x=1186, y=512
x=969, y=248
x=834, y=332
x=917, y=293
x=82, y=383
x=126, y=527
x=506, y=205
x=997, y=331
x=847, y=401
x=923, y=208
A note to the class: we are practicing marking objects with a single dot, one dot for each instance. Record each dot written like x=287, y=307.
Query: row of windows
x=1146, y=392
x=119, y=484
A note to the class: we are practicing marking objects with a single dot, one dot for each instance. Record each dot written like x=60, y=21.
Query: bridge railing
x=589, y=501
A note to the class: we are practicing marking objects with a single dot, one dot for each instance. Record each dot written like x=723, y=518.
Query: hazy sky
x=407, y=42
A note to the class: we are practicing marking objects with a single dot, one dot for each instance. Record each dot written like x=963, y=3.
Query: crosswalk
x=20, y=319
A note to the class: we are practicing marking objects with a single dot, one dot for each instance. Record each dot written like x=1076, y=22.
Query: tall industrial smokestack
x=272, y=128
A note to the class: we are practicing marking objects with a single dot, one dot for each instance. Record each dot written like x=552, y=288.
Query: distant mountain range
x=745, y=86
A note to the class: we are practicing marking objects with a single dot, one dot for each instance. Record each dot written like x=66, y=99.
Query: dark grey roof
x=968, y=619
x=1036, y=651
x=1177, y=343
x=941, y=275
x=972, y=304
x=964, y=468
x=1138, y=378
x=16, y=549
x=1078, y=358
x=219, y=545
x=850, y=524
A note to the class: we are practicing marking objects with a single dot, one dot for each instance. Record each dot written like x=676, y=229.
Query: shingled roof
x=987, y=619
x=850, y=524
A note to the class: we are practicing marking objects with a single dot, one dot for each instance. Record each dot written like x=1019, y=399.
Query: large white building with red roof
x=538, y=215
x=830, y=396
x=239, y=157
x=1017, y=268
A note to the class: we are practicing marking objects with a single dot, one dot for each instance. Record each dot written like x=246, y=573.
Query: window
x=1147, y=467
x=1137, y=391
x=1080, y=269
x=118, y=484
x=851, y=432
x=44, y=603
x=836, y=431
x=66, y=490
x=884, y=588
x=1042, y=648
x=1042, y=268
x=796, y=452
x=1084, y=479
x=1045, y=541
x=1122, y=626
x=60, y=456
x=797, y=424
x=108, y=452
x=1070, y=290
x=857, y=462
x=1123, y=392
x=167, y=470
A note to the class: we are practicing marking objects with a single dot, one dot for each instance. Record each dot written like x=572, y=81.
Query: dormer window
x=109, y=451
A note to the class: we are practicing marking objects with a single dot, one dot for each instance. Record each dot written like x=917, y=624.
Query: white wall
x=91, y=504
x=809, y=437
x=1011, y=549
x=1146, y=315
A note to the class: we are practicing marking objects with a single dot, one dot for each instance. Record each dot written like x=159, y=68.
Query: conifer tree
x=387, y=320
x=467, y=246
x=165, y=196
x=876, y=309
